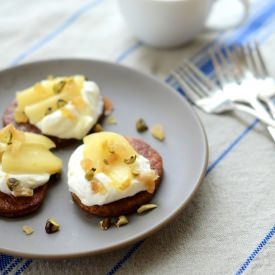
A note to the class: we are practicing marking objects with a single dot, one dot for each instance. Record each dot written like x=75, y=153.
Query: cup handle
x=215, y=26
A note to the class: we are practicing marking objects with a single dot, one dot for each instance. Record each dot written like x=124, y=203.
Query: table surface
x=229, y=226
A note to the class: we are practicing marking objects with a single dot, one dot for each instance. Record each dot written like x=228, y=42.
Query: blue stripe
x=232, y=145
x=129, y=51
x=256, y=251
x=125, y=258
x=257, y=24
x=5, y=260
x=12, y=266
x=23, y=267
x=49, y=37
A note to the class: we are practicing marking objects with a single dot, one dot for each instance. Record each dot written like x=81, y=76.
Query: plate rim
x=160, y=225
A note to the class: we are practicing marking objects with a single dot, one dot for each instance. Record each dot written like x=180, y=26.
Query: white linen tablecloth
x=229, y=226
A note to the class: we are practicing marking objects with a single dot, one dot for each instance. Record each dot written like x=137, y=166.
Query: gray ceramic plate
x=134, y=95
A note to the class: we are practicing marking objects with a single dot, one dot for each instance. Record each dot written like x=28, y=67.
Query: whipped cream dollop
x=56, y=124
x=28, y=181
x=79, y=185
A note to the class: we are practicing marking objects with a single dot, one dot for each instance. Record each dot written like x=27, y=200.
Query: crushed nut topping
x=130, y=160
x=86, y=164
x=12, y=183
x=61, y=103
x=52, y=226
x=21, y=191
x=90, y=174
x=146, y=207
x=58, y=87
x=27, y=229
x=48, y=111
x=9, y=138
x=135, y=173
x=122, y=220
x=108, y=106
x=105, y=224
x=111, y=120
x=98, y=187
x=141, y=125
x=157, y=132
x=106, y=162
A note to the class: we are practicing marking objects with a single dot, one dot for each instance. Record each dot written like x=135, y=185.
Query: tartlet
x=26, y=168
x=63, y=108
x=145, y=165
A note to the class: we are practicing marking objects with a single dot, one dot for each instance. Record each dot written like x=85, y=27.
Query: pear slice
x=43, y=90
x=108, y=145
x=37, y=111
x=31, y=138
x=31, y=96
x=110, y=153
x=121, y=176
x=31, y=158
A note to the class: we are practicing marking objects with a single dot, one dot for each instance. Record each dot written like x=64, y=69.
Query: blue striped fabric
x=263, y=19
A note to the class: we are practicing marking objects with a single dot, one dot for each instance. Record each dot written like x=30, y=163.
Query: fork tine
x=248, y=58
x=224, y=62
x=204, y=79
x=237, y=57
x=192, y=81
x=263, y=68
x=253, y=60
x=234, y=64
x=183, y=81
x=217, y=67
x=194, y=77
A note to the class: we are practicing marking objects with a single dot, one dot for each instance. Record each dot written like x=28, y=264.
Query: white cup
x=168, y=23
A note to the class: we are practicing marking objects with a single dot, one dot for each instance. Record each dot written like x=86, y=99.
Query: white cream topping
x=30, y=181
x=82, y=188
x=55, y=124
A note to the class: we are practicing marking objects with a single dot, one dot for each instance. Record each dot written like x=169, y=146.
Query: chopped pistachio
x=141, y=125
x=10, y=139
x=146, y=207
x=12, y=183
x=105, y=223
x=7, y=139
x=111, y=120
x=48, y=111
x=108, y=106
x=61, y=103
x=27, y=229
x=58, y=87
x=52, y=226
x=135, y=173
x=122, y=220
x=130, y=160
x=106, y=162
x=90, y=174
x=20, y=191
x=98, y=128
x=157, y=132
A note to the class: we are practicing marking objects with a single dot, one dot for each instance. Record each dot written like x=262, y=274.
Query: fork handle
x=263, y=118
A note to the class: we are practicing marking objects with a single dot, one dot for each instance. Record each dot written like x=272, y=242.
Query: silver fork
x=253, y=56
x=238, y=80
x=206, y=95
